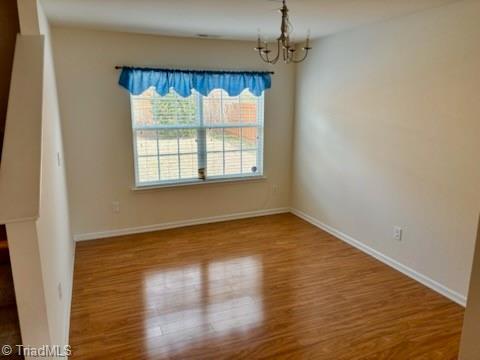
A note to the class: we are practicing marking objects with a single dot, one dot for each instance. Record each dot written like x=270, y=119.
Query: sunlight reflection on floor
x=200, y=301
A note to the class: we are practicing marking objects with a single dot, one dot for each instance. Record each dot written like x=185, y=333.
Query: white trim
x=18, y=220
x=177, y=224
x=193, y=127
x=219, y=180
x=425, y=280
x=69, y=300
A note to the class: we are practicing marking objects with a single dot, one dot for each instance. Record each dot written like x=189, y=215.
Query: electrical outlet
x=116, y=206
x=59, y=159
x=59, y=289
x=397, y=233
x=275, y=188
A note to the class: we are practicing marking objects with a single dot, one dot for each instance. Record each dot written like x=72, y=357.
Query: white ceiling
x=229, y=19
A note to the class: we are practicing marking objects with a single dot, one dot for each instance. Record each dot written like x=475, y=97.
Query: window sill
x=200, y=182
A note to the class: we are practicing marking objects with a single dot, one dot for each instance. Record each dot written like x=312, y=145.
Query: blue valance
x=137, y=80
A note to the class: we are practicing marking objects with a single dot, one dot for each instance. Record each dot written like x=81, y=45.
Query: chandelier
x=285, y=48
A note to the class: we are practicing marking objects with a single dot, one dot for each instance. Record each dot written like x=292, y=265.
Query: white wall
x=20, y=186
x=387, y=133
x=53, y=225
x=98, y=139
x=40, y=241
x=33, y=193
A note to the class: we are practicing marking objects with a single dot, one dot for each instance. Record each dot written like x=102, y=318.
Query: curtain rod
x=188, y=70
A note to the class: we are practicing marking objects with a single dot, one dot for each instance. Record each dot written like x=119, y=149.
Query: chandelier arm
x=263, y=58
x=296, y=61
x=267, y=58
x=275, y=59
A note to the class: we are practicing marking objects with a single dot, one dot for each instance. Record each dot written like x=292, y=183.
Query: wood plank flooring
x=267, y=287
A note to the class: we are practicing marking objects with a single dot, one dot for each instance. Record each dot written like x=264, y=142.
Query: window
x=196, y=138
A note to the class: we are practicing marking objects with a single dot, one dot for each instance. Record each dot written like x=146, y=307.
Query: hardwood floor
x=267, y=287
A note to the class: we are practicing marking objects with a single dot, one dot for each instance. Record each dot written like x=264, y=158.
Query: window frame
x=199, y=126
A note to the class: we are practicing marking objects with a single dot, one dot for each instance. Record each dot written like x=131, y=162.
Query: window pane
x=249, y=138
x=232, y=139
x=240, y=147
x=214, y=140
x=188, y=141
x=188, y=166
x=168, y=142
x=146, y=141
x=142, y=110
x=220, y=108
x=169, y=167
x=232, y=163
x=249, y=162
x=149, y=108
x=214, y=164
x=148, y=169
x=212, y=108
x=231, y=109
x=172, y=109
x=248, y=108
x=240, y=109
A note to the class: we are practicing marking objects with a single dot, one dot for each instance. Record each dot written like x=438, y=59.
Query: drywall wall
x=98, y=137
x=9, y=29
x=53, y=225
x=387, y=133
x=38, y=226
x=20, y=186
x=470, y=346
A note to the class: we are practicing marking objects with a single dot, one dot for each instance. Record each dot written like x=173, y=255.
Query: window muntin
x=178, y=140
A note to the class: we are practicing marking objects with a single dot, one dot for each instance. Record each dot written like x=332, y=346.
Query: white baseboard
x=177, y=224
x=425, y=280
